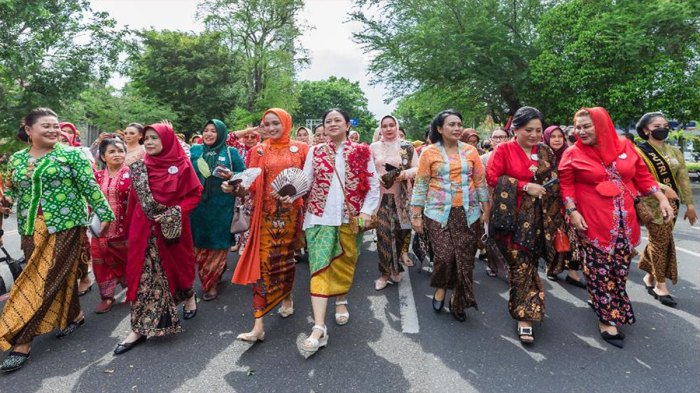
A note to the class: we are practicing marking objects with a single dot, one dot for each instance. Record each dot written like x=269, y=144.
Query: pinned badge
x=172, y=170
x=623, y=156
x=534, y=157
x=293, y=149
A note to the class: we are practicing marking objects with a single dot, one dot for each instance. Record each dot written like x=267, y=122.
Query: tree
x=50, y=50
x=316, y=97
x=264, y=36
x=194, y=74
x=628, y=56
x=108, y=109
x=479, y=47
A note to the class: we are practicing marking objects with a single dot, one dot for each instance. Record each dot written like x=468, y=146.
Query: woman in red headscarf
x=604, y=170
x=267, y=261
x=160, y=267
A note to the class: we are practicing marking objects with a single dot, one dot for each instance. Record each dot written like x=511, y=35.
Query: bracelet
x=525, y=187
x=570, y=210
x=416, y=216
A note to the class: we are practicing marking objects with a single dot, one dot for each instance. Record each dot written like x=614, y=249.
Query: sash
x=659, y=167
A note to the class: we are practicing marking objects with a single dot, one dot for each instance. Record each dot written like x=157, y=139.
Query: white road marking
x=407, y=305
x=693, y=253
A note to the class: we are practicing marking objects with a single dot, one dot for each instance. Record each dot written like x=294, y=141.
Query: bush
x=693, y=166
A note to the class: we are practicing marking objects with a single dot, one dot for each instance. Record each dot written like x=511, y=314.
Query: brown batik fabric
x=390, y=237
x=84, y=265
x=154, y=312
x=659, y=256
x=526, y=300
x=454, y=246
x=45, y=296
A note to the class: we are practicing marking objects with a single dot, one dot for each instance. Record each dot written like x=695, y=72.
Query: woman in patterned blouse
x=52, y=185
x=451, y=195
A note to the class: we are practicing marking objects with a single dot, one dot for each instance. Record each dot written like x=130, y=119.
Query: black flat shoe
x=552, y=277
x=14, y=361
x=575, y=283
x=73, y=326
x=438, y=304
x=189, y=314
x=666, y=300
x=83, y=293
x=617, y=340
x=650, y=289
x=126, y=347
x=460, y=316
x=482, y=257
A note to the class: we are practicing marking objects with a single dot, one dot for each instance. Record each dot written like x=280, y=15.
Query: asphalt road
x=374, y=352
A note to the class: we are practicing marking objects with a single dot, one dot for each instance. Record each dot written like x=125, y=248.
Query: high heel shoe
x=189, y=314
x=666, y=300
x=342, y=318
x=286, y=312
x=311, y=345
x=251, y=337
x=438, y=304
x=616, y=340
x=126, y=347
x=73, y=326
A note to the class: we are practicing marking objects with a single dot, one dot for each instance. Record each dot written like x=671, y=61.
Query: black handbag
x=10, y=269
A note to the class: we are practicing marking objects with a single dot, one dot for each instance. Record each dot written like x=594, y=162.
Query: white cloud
x=329, y=42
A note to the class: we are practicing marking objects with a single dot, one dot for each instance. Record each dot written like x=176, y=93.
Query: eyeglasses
x=498, y=138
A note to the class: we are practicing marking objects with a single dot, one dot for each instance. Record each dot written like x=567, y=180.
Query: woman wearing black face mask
x=668, y=167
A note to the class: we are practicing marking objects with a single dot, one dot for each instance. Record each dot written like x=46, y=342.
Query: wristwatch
x=570, y=210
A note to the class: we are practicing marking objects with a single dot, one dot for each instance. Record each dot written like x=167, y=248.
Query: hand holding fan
x=291, y=182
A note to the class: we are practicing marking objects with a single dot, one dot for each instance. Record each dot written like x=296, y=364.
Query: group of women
x=174, y=212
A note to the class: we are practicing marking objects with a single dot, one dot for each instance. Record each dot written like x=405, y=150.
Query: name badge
x=293, y=149
x=172, y=170
x=222, y=158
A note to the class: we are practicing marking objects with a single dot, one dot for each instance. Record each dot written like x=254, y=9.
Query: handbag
x=357, y=226
x=561, y=241
x=240, y=222
x=644, y=213
x=10, y=269
x=241, y=218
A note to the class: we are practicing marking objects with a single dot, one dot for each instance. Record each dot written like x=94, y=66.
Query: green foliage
x=50, y=50
x=478, y=47
x=110, y=110
x=194, y=74
x=316, y=97
x=628, y=56
x=693, y=166
x=263, y=36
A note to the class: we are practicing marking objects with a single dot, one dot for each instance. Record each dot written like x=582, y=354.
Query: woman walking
x=450, y=194
x=667, y=165
x=344, y=184
x=160, y=265
x=394, y=224
x=52, y=185
x=212, y=218
x=526, y=214
x=554, y=138
x=267, y=261
x=601, y=175
x=109, y=250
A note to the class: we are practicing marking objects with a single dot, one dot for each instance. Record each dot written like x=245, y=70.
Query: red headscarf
x=467, y=133
x=170, y=173
x=286, y=120
x=72, y=138
x=609, y=145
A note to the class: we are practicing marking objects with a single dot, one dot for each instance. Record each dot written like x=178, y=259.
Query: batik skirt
x=391, y=239
x=212, y=264
x=526, y=300
x=454, y=246
x=109, y=264
x=659, y=256
x=45, y=296
x=278, y=240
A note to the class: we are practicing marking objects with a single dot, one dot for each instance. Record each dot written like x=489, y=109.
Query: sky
x=328, y=41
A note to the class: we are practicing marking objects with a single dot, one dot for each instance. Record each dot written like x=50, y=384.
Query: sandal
x=286, y=312
x=311, y=344
x=342, y=318
x=251, y=337
x=381, y=283
x=525, y=334
x=490, y=272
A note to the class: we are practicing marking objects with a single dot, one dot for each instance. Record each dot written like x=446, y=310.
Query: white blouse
x=333, y=212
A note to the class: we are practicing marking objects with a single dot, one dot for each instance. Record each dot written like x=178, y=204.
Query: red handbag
x=561, y=241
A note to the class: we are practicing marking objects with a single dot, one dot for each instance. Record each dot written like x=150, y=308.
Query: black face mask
x=572, y=138
x=660, y=133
